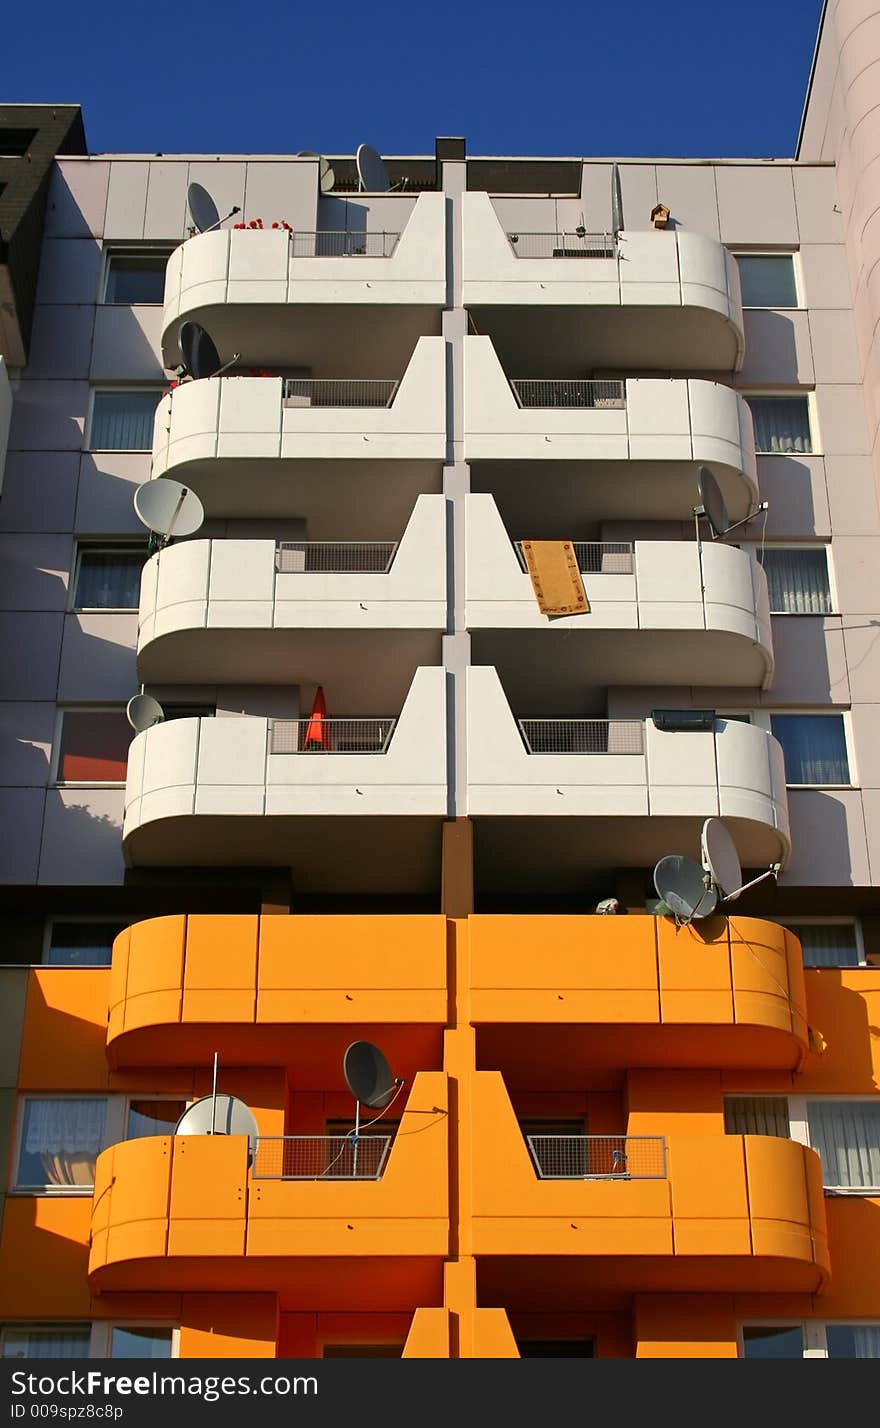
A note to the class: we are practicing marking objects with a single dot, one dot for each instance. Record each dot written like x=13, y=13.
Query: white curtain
x=56, y=1343
x=797, y=581
x=866, y=1341
x=65, y=1137
x=827, y=945
x=110, y=580
x=853, y=1341
x=782, y=424
x=814, y=746
x=847, y=1136
x=123, y=421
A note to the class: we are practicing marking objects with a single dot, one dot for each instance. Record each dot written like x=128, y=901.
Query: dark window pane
x=136, y=278
x=82, y=944
x=827, y=945
x=756, y=1115
x=556, y=1348
x=123, y=421
x=767, y=281
x=773, y=1342
x=153, y=1118
x=797, y=581
x=109, y=579
x=814, y=746
x=782, y=424
x=62, y=1341
x=141, y=1344
x=853, y=1341
x=94, y=746
x=363, y=1351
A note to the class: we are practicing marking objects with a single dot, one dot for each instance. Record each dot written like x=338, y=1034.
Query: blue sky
x=643, y=77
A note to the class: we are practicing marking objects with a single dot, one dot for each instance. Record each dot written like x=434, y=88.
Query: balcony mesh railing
x=339, y=392
x=320, y=1157
x=583, y=736
x=563, y=244
x=598, y=1157
x=568, y=394
x=330, y=736
x=341, y=243
x=334, y=557
x=609, y=557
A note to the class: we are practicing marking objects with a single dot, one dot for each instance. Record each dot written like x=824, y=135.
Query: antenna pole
x=214, y=1095
x=357, y=1130
x=175, y=513
x=230, y=214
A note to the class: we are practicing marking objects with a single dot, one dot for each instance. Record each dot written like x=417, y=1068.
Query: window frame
x=61, y=710
x=762, y=717
x=130, y=250
x=129, y=1096
x=794, y=255
x=792, y=924
x=100, y=387
x=52, y=918
x=758, y=547
x=112, y=1119
x=800, y=1105
x=115, y=547
x=809, y=395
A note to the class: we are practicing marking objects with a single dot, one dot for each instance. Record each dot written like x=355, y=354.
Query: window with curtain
x=846, y=1135
x=60, y=1141
x=767, y=279
x=782, y=425
x=773, y=1341
x=814, y=746
x=152, y=1117
x=756, y=1115
x=140, y=1342
x=828, y=944
x=123, y=421
x=109, y=577
x=94, y=746
x=82, y=944
x=46, y=1341
x=797, y=580
x=136, y=275
x=853, y=1341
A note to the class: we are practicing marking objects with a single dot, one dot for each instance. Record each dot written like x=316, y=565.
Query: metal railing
x=565, y=393
x=339, y=391
x=583, y=736
x=607, y=557
x=563, y=244
x=330, y=736
x=598, y=1157
x=334, y=557
x=320, y=1157
x=342, y=243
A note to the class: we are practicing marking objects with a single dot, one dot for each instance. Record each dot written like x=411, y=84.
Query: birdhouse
x=660, y=215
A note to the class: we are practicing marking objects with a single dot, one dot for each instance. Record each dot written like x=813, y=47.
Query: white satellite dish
x=168, y=509
x=721, y=862
x=326, y=176
x=218, y=1115
x=372, y=173
x=143, y=711
x=684, y=887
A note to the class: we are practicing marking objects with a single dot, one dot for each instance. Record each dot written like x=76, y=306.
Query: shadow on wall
x=822, y=841
x=43, y=1272
x=841, y=1014
x=82, y=836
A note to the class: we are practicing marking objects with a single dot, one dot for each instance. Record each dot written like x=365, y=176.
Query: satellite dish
x=142, y=712
x=368, y=1075
x=219, y=1115
x=720, y=859
x=167, y=508
x=200, y=356
x=681, y=884
x=326, y=176
x=712, y=504
x=372, y=172
x=202, y=208
x=616, y=201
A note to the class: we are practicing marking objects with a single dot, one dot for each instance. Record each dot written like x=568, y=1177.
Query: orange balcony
x=179, y=983
x=726, y=993
x=187, y=1213
x=731, y=1213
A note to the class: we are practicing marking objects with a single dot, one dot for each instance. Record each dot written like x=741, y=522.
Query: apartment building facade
x=389, y=794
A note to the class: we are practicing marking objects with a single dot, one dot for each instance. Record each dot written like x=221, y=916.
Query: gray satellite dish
x=326, y=176
x=368, y=1075
x=616, y=201
x=202, y=208
x=372, y=173
x=142, y=712
x=168, y=509
x=219, y=1115
x=720, y=859
x=681, y=884
x=712, y=504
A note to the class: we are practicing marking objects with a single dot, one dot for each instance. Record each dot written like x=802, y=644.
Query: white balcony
x=258, y=445
x=639, y=440
x=267, y=612
x=270, y=295
x=660, y=299
x=661, y=612
x=640, y=792
x=244, y=791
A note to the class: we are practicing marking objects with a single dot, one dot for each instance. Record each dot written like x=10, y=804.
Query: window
x=756, y=1115
x=782, y=425
x=141, y=1342
x=829, y=944
x=814, y=746
x=81, y=944
x=123, y=420
x=46, y=1341
x=846, y=1135
x=811, y=1339
x=152, y=1117
x=853, y=1341
x=767, y=279
x=60, y=1140
x=136, y=275
x=109, y=577
x=773, y=1341
x=93, y=746
x=797, y=580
